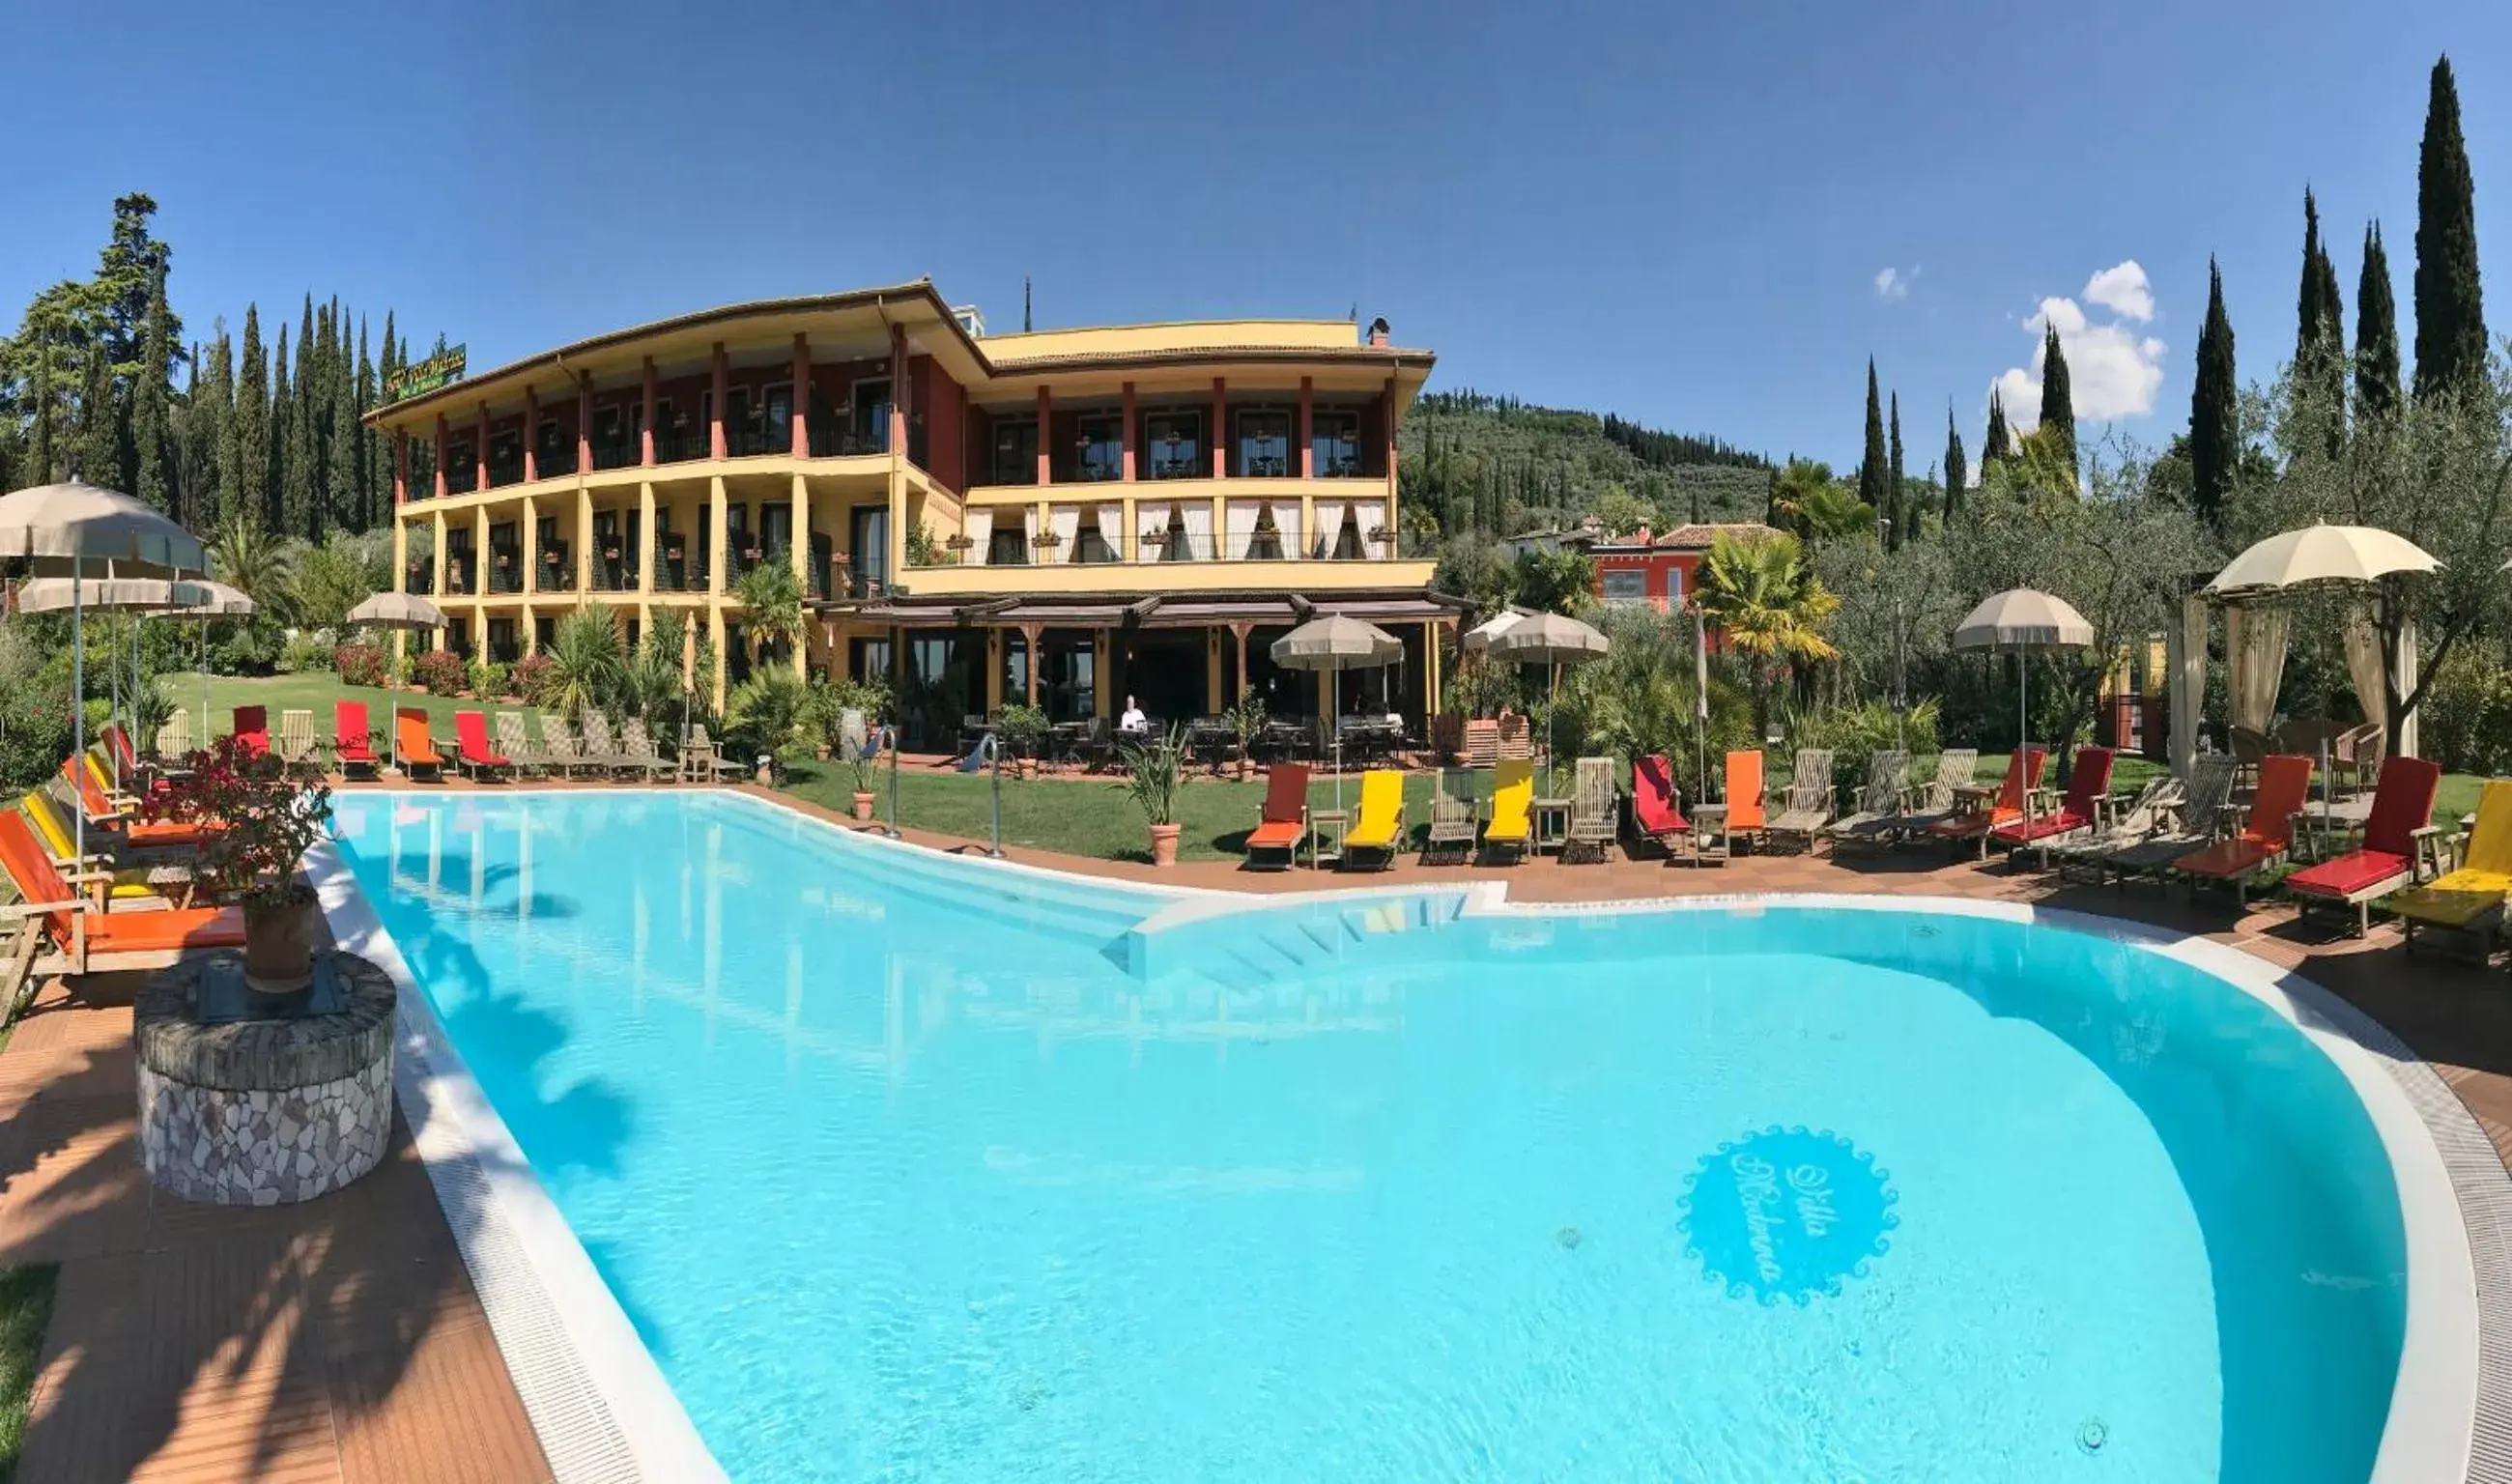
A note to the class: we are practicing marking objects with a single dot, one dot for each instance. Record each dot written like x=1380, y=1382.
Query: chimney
x=1378, y=330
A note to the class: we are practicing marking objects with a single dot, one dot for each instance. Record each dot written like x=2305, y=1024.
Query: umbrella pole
x=2022, y=733
x=204, y=683
x=78, y=715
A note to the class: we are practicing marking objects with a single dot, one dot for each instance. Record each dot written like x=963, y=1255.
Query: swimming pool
x=908, y=1167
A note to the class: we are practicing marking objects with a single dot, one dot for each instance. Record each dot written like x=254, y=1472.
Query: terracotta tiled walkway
x=341, y=1340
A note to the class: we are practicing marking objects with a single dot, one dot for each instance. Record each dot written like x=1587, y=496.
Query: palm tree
x=771, y=600
x=1769, y=604
x=586, y=666
x=256, y=562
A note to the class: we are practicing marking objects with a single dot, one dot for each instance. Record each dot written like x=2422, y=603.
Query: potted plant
x=1154, y=770
x=1019, y=733
x=269, y=821
x=1246, y=719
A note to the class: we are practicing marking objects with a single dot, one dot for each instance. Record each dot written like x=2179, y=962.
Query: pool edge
x=599, y=1404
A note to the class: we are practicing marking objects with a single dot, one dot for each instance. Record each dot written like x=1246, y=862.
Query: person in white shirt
x=1132, y=719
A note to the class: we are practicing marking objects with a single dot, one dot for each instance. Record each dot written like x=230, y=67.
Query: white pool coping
x=603, y=1412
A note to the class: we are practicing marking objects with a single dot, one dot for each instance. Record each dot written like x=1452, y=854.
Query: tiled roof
x=1699, y=537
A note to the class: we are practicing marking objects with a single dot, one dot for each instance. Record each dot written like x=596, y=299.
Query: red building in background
x=1654, y=569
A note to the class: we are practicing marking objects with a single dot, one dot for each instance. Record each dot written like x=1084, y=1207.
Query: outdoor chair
x=1656, y=807
x=2465, y=905
x=1747, y=799
x=701, y=762
x=1880, y=801
x=638, y=750
x=472, y=752
x=418, y=752
x=296, y=747
x=106, y=875
x=561, y=750
x=1516, y=739
x=1378, y=827
x=252, y=726
x=1808, y=806
x=1483, y=743
x=2249, y=749
x=2285, y=783
x=2196, y=821
x=351, y=747
x=1452, y=817
x=2082, y=809
x=2117, y=823
x=1510, y=823
x=116, y=819
x=92, y=941
x=2396, y=836
x=1934, y=802
x=600, y=750
x=1282, y=822
x=175, y=738
x=2358, y=752
x=1592, y=807
x=2023, y=775
x=517, y=744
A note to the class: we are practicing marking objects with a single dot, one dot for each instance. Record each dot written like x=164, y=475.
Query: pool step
x=1253, y=946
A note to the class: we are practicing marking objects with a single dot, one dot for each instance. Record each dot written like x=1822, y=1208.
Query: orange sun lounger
x=2285, y=782
x=2023, y=774
x=417, y=753
x=1283, y=822
x=86, y=936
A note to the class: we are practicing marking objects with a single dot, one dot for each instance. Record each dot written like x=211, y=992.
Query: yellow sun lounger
x=1380, y=822
x=1512, y=805
x=52, y=832
x=2468, y=903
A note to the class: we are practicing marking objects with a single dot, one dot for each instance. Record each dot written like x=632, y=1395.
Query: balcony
x=558, y=568
x=505, y=468
x=461, y=478
x=505, y=573
x=552, y=463
x=681, y=445
x=830, y=441
x=752, y=442
x=619, y=454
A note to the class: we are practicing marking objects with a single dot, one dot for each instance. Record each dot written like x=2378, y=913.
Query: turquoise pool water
x=903, y=1173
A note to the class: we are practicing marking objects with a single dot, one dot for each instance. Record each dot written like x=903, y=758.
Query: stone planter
x=863, y=805
x=278, y=947
x=1164, y=839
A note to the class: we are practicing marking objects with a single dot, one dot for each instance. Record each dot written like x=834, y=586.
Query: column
x=531, y=557
x=722, y=381
x=1103, y=671
x=718, y=523
x=480, y=452
x=1386, y=425
x=801, y=421
x=2185, y=655
x=803, y=564
x=583, y=542
x=435, y=588
x=898, y=395
x=1045, y=464
x=440, y=457
x=480, y=580
x=1030, y=635
x=647, y=561
x=1239, y=631
x=1308, y=426
x=401, y=554
x=1430, y=628
x=1130, y=434
x=401, y=478
x=1220, y=437
x=994, y=671
x=531, y=434
x=583, y=424
x=646, y=420
x=715, y=635
x=1212, y=701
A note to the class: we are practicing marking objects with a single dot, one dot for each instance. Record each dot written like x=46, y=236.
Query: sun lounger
x=1808, y=806
x=418, y=754
x=2195, y=821
x=1510, y=823
x=2119, y=823
x=90, y=940
x=297, y=746
x=472, y=752
x=353, y=748
x=174, y=739
x=252, y=726
x=1592, y=807
x=1380, y=821
x=97, y=871
x=1453, y=814
x=1937, y=799
x=1282, y=821
x=1657, y=808
x=2285, y=782
x=2401, y=821
x=1747, y=811
x=638, y=751
x=561, y=752
x=86, y=777
x=1880, y=801
x=515, y=742
x=2080, y=811
x=2465, y=905
x=2023, y=774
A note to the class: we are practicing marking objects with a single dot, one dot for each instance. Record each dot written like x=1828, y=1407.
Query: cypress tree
x=362, y=397
x=2215, y=433
x=228, y=456
x=44, y=458
x=99, y=436
x=2058, y=403
x=342, y=401
x=301, y=492
x=1873, y=469
x=148, y=401
x=1894, y=515
x=283, y=404
x=249, y=497
x=1998, y=444
x=2450, y=313
x=2320, y=331
x=2377, y=332
x=2312, y=329
x=1957, y=468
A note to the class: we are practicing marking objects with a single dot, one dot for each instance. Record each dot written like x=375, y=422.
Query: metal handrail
x=992, y=748
x=889, y=740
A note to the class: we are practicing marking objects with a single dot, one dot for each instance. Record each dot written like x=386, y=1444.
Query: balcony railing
x=505, y=573
x=680, y=446
x=463, y=478
x=505, y=468
x=457, y=576
x=618, y=454
x=830, y=441
x=750, y=443
x=558, y=568
x=1153, y=549
x=550, y=463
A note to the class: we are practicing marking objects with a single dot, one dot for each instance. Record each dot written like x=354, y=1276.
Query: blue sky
x=1677, y=213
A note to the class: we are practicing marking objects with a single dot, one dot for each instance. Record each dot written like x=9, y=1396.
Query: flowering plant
x=264, y=821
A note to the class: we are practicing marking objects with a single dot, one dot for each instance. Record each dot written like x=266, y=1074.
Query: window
x=1015, y=452
x=1264, y=444
x=1008, y=544
x=869, y=414
x=1175, y=443
x=1625, y=584
x=1674, y=587
x=1099, y=449
x=1334, y=442
x=1088, y=545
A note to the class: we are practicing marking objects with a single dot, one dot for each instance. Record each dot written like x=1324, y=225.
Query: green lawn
x=26, y=1309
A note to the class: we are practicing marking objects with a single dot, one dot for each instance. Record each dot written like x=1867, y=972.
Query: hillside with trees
x=1477, y=464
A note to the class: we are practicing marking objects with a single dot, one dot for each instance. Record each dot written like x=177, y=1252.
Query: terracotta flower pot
x=1247, y=769
x=279, y=946
x=863, y=805
x=1164, y=844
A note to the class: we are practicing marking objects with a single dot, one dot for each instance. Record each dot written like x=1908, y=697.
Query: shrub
x=488, y=678
x=2466, y=715
x=301, y=652
x=529, y=677
x=1856, y=733
x=35, y=736
x=359, y=663
x=441, y=671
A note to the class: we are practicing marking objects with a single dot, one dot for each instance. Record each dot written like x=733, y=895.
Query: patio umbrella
x=113, y=594
x=1335, y=644
x=217, y=600
x=1478, y=638
x=2024, y=620
x=397, y=610
x=1555, y=640
x=75, y=530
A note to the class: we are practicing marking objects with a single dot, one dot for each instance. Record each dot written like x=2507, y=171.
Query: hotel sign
x=443, y=369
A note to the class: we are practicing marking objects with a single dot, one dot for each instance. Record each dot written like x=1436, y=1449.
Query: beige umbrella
x=2024, y=620
x=1478, y=638
x=2349, y=554
x=76, y=529
x=1553, y=640
x=397, y=610
x=1336, y=642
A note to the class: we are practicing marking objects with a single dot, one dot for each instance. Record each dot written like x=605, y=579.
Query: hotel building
x=1064, y=517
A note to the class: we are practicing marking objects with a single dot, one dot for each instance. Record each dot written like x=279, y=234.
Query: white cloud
x=2113, y=370
x=2123, y=291
x=1893, y=284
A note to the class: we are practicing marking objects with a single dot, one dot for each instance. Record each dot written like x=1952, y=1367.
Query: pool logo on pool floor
x=1787, y=1214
